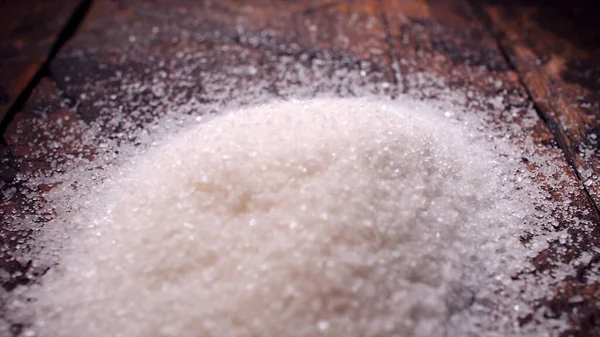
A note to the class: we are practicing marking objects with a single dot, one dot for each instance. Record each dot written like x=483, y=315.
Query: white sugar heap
x=341, y=217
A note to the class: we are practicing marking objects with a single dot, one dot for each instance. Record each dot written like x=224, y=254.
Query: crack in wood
x=557, y=132
x=65, y=34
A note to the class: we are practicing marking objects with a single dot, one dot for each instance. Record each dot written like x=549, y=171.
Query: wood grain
x=556, y=49
x=28, y=31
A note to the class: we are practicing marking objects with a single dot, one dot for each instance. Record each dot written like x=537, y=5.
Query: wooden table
x=61, y=58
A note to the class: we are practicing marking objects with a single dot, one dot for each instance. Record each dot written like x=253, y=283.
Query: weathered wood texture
x=28, y=31
x=447, y=38
x=556, y=49
x=145, y=58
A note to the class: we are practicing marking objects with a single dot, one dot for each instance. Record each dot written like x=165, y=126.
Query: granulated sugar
x=339, y=217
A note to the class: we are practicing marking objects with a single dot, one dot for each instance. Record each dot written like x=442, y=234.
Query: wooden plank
x=447, y=39
x=271, y=29
x=555, y=46
x=28, y=30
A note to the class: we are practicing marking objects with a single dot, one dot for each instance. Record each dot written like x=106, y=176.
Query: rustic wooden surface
x=392, y=42
x=556, y=49
x=28, y=32
x=449, y=39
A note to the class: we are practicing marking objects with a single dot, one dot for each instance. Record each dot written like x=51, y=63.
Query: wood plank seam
x=557, y=132
x=66, y=33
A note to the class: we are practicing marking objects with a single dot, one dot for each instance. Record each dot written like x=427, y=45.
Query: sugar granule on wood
x=338, y=217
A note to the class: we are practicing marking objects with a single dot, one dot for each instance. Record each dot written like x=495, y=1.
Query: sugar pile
x=340, y=217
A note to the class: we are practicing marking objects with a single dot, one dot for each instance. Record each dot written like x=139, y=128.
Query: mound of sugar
x=343, y=217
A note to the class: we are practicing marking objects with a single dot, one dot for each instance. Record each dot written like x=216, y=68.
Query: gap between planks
x=65, y=34
x=559, y=136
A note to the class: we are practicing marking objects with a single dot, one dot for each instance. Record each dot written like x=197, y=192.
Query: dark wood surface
x=555, y=47
x=484, y=48
x=28, y=31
